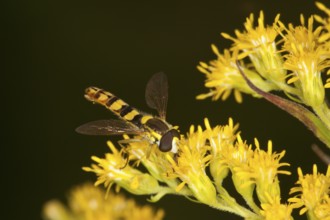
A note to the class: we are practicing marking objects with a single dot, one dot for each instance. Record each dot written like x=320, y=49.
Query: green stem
x=323, y=113
x=229, y=204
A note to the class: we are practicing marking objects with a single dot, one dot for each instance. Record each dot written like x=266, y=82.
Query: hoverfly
x=131, y=121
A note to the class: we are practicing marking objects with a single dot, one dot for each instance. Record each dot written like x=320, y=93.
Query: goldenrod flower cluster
x=278, y=57
x=87, y=202
x=293, y=60
x=206, y=156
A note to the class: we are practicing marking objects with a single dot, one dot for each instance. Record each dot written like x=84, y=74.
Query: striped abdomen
x=115, y=104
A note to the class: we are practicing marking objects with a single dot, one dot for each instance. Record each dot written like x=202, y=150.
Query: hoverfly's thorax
x=157, y=125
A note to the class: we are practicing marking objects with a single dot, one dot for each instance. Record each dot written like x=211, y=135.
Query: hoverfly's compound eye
x=166, y=142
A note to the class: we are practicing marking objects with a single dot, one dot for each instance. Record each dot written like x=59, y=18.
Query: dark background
x=55, y=49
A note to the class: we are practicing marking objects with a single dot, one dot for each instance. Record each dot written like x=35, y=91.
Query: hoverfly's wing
x=157, y=93
x=108, y=127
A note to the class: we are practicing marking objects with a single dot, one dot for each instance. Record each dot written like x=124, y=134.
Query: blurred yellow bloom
x=88, y=202
x=312, y=193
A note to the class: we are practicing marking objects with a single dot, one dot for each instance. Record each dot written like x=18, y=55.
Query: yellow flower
x=305, y=54
x=312, y=194
x=221, y=140
x=306, y=58
x=274, y=210
x=251, y=169
x=88, y=202
x=114, y=169
x=222, y=77
x=258, y=43
x=228, y=156
x=153, y=160
x=55, y=210
x=190, y=166
x=264, y=168
x=325, y=37
x=324, y=21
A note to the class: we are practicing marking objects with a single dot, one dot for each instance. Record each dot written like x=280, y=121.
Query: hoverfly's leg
x=152, y=147
x=123, y=144
x=175, y=157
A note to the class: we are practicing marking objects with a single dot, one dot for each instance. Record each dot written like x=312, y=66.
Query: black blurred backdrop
x=53, y=50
